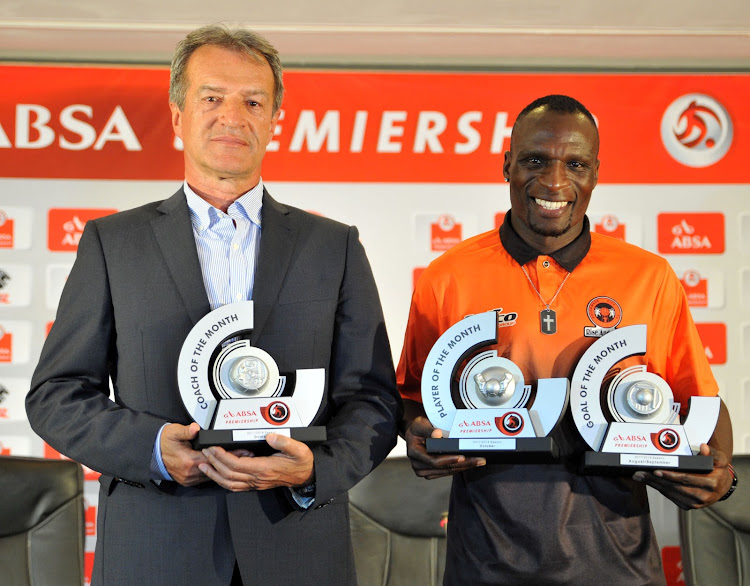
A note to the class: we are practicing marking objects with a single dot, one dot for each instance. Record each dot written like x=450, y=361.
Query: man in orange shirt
x=549, y=523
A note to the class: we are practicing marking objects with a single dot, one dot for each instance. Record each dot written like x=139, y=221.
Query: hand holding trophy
x=487, y=409
x=640, y=427
x=235, y=391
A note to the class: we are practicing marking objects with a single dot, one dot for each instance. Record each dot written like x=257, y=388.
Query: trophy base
x=526, y=450
x=613, y=464
x=252, y=439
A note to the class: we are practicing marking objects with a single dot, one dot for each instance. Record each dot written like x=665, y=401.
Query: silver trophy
x=639, y=427
x=487, y=409
x=235, y=391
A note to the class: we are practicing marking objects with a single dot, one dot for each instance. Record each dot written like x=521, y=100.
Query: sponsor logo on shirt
x=505, y=320
x=605, y=313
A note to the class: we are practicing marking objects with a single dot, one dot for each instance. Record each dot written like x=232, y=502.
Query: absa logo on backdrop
x=696, y=130
x=445, y=233
x=691, y=233
x=66, y=225
x=696, y=288
x=611, y=226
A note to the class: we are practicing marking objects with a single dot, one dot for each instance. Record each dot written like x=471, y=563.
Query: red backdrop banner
x=114, y=123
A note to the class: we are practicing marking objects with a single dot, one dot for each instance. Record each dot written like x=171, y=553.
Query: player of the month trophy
x=235, y=391
x=487, y=409
x=639, y=427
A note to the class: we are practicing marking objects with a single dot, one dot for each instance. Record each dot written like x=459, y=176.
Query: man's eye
x=576, y=165
x=211, y=99
x=253, y=103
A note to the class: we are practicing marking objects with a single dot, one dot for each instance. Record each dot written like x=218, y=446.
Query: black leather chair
x=41, y=522
x=398, y=526
x=715, y=540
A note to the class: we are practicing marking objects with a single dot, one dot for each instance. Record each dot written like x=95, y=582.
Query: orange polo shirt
x=630, y=286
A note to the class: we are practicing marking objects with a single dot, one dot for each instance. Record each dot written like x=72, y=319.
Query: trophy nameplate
x=235, y=391
x=487, y=410
x=641, y=429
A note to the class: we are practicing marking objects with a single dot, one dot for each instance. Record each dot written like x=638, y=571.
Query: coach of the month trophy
x=235, y=391
x=639, y=428
x=487, y=409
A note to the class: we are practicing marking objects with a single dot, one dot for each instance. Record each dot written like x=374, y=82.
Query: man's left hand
x=692, y=491
x=239, y=470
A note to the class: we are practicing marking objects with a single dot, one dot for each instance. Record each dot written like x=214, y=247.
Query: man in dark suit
x=169, y=514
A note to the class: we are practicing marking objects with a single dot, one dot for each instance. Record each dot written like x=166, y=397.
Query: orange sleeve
x=422, y=331
x=673, y=331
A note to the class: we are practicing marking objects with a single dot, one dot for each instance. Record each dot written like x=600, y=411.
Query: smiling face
x=227, y=120
x=552, y=168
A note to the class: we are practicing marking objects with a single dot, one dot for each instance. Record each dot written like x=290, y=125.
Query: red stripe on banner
x=114, y=122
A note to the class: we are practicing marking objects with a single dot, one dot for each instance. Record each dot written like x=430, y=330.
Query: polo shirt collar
x=568, y=257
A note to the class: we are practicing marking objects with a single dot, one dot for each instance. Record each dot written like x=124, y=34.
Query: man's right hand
x=178, y=455
x=429, y=466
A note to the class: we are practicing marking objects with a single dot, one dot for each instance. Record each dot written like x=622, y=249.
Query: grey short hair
x=234, y=39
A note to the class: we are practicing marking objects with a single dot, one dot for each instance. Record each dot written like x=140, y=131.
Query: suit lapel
x=174, y=233
x=277, y=241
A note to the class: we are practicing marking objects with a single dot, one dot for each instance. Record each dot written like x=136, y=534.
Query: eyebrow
x=220, y=89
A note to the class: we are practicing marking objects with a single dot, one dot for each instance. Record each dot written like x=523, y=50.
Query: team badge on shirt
x=605, y=313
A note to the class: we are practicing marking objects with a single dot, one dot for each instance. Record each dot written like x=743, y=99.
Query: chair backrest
x=41, y=521
x=398, y=526
x=715, y=540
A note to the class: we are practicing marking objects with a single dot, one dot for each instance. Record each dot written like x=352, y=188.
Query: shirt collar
x=568, y=257
x=203, y=214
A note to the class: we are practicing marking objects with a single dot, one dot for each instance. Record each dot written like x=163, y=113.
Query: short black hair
x=557, y=103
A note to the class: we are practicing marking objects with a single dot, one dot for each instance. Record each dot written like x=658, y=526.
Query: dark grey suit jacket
x=133, y=295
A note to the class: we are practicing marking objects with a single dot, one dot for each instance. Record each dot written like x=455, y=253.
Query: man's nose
x=232, y=112
x=554, y=176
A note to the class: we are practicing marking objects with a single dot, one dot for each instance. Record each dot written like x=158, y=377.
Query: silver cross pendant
x=548, y=321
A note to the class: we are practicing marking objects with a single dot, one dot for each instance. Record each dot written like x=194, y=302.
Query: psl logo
x=696, y=130
x=276, y=413
x=666, y=440
x=510, y=423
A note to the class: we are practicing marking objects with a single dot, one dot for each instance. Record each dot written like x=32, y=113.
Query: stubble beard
x=548, y=231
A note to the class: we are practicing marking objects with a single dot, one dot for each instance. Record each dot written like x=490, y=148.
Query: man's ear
x=176, y=119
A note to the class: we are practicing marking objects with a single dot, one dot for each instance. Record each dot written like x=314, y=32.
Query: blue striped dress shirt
x=227, y=246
